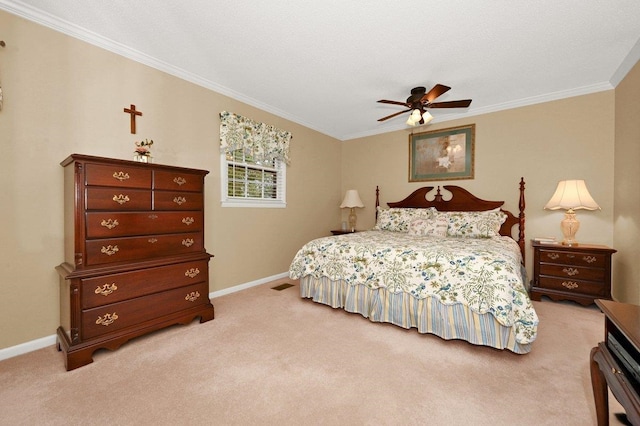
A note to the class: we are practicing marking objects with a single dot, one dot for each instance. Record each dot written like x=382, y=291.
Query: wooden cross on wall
x=132, y=111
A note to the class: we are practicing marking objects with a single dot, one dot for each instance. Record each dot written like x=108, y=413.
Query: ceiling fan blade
x=451, y=104
x=436, y=91
x=394, y=114
x=384, y=101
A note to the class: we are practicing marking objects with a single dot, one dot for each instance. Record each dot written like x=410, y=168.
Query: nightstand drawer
x=591, y=288
x=593, y=260
x=573, y=272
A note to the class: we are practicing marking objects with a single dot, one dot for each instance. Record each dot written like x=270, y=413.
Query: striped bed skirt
x=427, y=315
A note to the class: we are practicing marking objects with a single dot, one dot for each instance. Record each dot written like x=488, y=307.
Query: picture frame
x=445, y=154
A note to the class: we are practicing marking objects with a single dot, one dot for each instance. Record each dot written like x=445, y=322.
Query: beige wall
x=544, y=143
x=626, y=267
x=64, y=96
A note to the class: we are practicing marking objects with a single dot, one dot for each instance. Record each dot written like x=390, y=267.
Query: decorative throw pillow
x=474, y=224
x=436, y=227
x=398, y=219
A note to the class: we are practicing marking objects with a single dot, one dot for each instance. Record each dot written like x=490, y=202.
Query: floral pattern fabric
x=263, y=142
x=484, y=274
x=397, y=219
x=474, y=224
x=436, y=227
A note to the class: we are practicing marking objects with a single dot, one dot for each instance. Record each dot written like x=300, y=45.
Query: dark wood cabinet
x=135, y=260
x=615, y=362
x=342, y=231
x=579, y=273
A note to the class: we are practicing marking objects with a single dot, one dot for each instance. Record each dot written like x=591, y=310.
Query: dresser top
x=577, y=247
x=104, y=160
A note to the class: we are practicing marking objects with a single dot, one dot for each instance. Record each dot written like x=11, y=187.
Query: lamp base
x=352, y=219
x=570, y=225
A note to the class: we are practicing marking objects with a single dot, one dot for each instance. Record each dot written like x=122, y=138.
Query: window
x=250, y=183
x=253, y=162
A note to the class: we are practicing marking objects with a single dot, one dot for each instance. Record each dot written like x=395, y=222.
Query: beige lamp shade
x=571, y=195
x=351, y=201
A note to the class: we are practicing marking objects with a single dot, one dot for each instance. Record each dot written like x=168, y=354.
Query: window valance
x=263, y=142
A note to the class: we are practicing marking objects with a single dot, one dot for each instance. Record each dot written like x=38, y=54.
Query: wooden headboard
x=463, y=200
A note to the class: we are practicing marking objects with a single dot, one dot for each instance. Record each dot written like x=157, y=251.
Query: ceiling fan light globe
x=427, y=117
x=415, y=115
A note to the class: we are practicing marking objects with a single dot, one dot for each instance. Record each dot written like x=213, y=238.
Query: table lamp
x=351, y=201
x=571, y=195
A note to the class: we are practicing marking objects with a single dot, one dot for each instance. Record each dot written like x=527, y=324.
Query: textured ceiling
x=324, y=64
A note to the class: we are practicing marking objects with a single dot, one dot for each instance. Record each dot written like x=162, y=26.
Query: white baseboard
x=43, y=342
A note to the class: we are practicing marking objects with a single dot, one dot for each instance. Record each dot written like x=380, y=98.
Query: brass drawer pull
x=570, y=284
x=188, y=220
x=191, y=273
x=107, y=320
x=152, y=240
x=109, y=250
x=109, y=223
x=121, y=199
x=589, y=259
x=153, y=216
x=553, y=256
x=187, y=242
x=180, y=180
x=192, y=297
x=180, y=200
x=121, y=176
x=570, y=271
x=106, y=289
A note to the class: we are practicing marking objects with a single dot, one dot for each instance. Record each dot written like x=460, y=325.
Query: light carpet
x=272, y=358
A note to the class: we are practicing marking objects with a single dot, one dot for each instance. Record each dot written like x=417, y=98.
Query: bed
x=447, y=265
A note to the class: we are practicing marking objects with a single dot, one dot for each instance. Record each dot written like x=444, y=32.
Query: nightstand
x=342, y=232
x=580, y=273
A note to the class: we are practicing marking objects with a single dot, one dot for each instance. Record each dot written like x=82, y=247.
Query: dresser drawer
x=120, y=315
x=114, y=250
x=574, y=272
x=173, y=200
x=116, y=175
x=118, y=199
x=594, y=260
x=590, y=288
x=177, y=181
x=108, y=225
x=128, y=285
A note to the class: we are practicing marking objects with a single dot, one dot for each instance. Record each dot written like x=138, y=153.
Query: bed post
x=377, y=201
x=521, y=206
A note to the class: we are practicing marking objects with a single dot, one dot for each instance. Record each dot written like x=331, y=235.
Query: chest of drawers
x=579, y=273
x=135, y=260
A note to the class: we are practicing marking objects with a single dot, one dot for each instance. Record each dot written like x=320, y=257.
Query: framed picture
x=444, y=154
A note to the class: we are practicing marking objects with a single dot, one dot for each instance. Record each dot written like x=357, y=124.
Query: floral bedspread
x=484, y=274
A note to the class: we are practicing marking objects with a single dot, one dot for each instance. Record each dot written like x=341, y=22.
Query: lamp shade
x=572, y=195
x=351, y=199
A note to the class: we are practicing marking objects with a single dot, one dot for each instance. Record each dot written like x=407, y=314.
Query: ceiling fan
x=420, y=100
